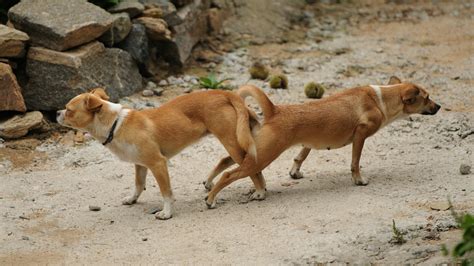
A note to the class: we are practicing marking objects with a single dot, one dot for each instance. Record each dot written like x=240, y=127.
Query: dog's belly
x=328, y=144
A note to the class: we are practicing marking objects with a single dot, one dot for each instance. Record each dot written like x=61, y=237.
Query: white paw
x=258, y=195
x=163, y=215
x=296, y=174
x=211, y=205
x=129, y=200
x=208, y=185
x=360, y=181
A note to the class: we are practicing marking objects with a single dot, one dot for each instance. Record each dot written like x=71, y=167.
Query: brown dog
x=149, y=137
x=330, y=123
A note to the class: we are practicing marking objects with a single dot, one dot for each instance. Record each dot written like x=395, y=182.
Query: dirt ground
x=412, y=164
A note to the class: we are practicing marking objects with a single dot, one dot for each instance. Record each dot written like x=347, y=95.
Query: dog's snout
x=436, y=109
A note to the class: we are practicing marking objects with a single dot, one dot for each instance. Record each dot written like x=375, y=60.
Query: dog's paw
x=296, y=174
x=129, y=200
x=258, y=195
x=210, y=205
x=208, y=185
x=162, y=215
x=360, y=181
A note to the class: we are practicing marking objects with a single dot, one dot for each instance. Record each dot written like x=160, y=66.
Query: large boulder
x=187, y=34
x=132, y=7
x=119, y=30
x=12, y=42
x=19, y=125
x=60, y=24
x=136, y=44
x=10, y=92
x=56, y=77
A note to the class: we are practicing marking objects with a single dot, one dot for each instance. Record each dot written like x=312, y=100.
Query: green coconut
x=258, y=71
x=314, y=90
x=278, y=81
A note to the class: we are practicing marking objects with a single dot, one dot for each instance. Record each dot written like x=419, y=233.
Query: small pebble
x=163, y=82
x=94, y=208
x=188, y=90
x=150, y=85
x=144, y=238
x=158, y=91
x=465, y=169
x=147, y=93
x=25, y=238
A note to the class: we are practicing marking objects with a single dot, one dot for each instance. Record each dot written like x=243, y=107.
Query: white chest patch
x=378, y=92
x=124, y=151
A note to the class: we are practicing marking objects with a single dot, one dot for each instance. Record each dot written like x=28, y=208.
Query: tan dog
x=149, y=137
x=330, y=123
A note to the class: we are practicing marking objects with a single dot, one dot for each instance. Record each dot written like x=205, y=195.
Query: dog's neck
x=389, y=102
x=101, y=128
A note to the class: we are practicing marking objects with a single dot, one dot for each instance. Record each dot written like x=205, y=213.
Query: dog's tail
x=267, y=106
x=243, y=130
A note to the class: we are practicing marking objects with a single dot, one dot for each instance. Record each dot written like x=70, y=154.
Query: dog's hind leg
x=245, y=169
x=260, y=187
x=298, y=161
x=223, y=164
x=140, y=180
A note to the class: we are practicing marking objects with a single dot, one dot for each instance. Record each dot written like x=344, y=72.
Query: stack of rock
x=61, y=48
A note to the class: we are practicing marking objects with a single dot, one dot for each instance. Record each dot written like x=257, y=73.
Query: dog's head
x=81, y=110
x=415, y=99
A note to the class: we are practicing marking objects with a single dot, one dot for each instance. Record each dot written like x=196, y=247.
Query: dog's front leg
x=140, y=180
x=298, y=161
x=360, y=135
x=160, y=171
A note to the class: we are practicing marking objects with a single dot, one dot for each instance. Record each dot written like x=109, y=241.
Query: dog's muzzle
x=432, y=111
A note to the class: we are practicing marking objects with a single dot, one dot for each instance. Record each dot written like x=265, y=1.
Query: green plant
x=278, y=81
x=258, y=71
x=211, y=82
x=314, y=90
x=463, y=250
x=105, y=3
x=397, y=237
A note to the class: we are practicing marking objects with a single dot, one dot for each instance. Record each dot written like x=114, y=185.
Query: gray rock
x=12, y=42
x=163, y=82
x=147, y=93
x=56, y=77
x=136, y=44
x=465, y=169
x=188, y=90
x=26, y=238
x=19, y=125
x=132, y=7
x=59, y=24
x=178, y=49
x=158, y=91
x=119, y=30
x=150, y=85
x=11, y=98
x=94, y=208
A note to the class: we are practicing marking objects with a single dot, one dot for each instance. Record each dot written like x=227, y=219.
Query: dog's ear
x=93, y=103
x=394, y=80
x=409, y=95
x=101, y=93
